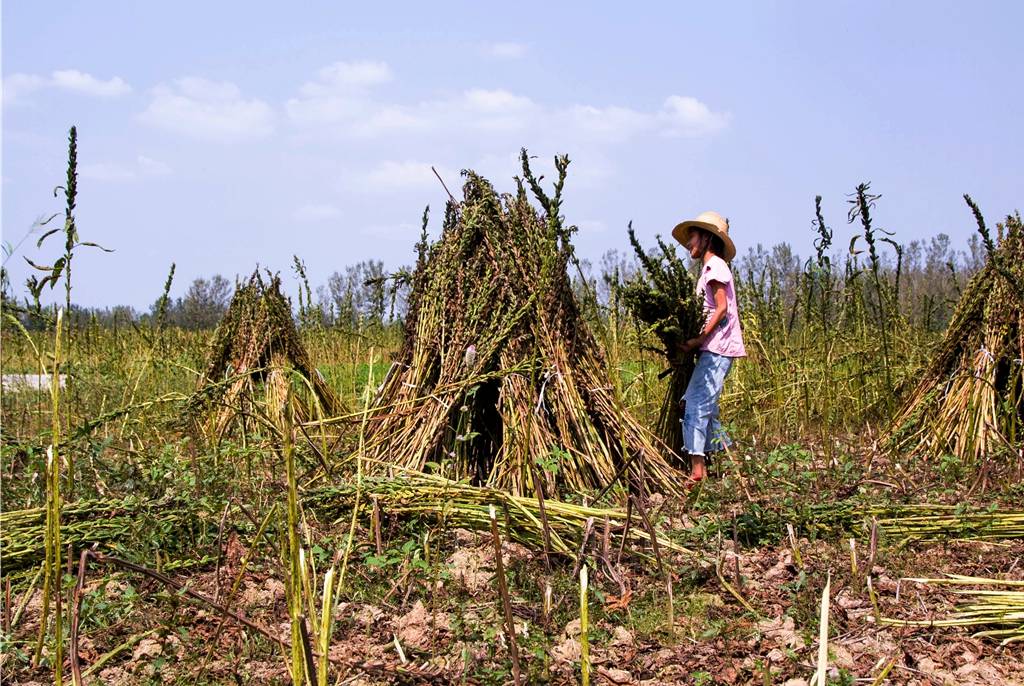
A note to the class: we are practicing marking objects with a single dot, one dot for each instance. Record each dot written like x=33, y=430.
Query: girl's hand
x=691, y=345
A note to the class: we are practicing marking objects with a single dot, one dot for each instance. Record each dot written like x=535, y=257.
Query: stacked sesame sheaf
x=969, y=402
x=255, y=357
x=499, y=379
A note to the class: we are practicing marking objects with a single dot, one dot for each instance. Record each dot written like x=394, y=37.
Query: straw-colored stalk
x=506, y=602
x=584, y=629
x=794, y=545
x=320, y=618
x=984, y=607
x=821, y=674
x=325, y=626
x=884, y=673
x=945, y=522
x=466, y=506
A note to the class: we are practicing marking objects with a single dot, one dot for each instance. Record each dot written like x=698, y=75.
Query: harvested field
x=491, y=489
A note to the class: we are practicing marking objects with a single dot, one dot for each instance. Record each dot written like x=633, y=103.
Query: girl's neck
x=706, y=257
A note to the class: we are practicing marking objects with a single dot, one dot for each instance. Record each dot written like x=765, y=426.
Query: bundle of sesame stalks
x=462, y=505
x=499, y=380
x=168, y=523
x=970, y=400
x=255, y=356
x=930, y=523
x=986, y=607
x=664, y=298
x=900, y=523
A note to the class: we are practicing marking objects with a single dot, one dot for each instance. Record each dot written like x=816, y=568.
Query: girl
x=720, y=341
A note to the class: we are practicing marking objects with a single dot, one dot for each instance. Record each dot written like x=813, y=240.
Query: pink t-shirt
x=726, y=339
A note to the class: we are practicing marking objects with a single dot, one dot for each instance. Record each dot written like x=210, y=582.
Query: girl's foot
x=698, y=469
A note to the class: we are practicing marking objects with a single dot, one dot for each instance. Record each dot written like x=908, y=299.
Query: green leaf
x=42, y=268
x=95, y=245
x=46, y=235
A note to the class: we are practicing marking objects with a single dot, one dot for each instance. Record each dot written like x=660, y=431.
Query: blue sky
x=222, y=135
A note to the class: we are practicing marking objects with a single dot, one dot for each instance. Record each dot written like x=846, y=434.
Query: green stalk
x=359, y=474
x=55, y=505
x=52, y=577
x=294, y=570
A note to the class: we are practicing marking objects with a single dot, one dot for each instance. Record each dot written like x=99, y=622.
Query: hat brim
x=682, y=234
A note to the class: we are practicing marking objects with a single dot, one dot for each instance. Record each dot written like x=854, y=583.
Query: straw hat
x=711, y=222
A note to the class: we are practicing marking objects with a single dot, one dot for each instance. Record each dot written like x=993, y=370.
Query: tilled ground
x=415, y=623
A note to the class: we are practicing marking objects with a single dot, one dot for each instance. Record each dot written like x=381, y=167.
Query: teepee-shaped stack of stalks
x=256, y=357
x=499, y=379
x=664, y=298
x=970, y=401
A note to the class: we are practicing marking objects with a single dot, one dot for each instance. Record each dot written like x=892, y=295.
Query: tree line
x=772, y=283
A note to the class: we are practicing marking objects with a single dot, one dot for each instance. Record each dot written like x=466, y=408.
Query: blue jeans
x=701, y=429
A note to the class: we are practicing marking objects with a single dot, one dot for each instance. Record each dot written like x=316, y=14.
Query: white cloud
x=505, y=50
x=87, y=84
x=210, y=110
x=390, y=176
x=687, y=116
x=324, y=109
x=338, y=94
x=496, y=101
x=339, y=98
x=678, y=116
x=106, y=171
x=610, y=124
x=151, y=167
x=360, y=73
x=356, y=114
x=119, y=172
x=487, y=124
x=332, y=104
x=316, y=213
x=17, y=86
x=392, y=119
x=492, y=110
